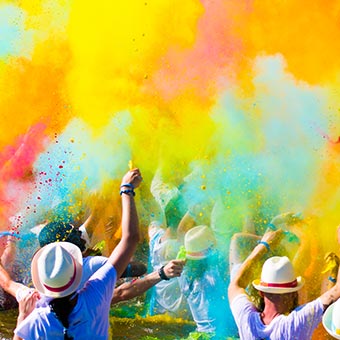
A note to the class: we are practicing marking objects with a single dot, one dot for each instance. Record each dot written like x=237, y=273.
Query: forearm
x=129, y=290
x=240, y=245
x=330, y=296
x=186, y=223
x=121, y=255
x=7, y=283
x=245, y=273
x=130, y=223
x=333, y=294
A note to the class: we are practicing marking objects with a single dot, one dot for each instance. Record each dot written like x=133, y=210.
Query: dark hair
x=53, y=232
x=61, y=232
x=62, y=308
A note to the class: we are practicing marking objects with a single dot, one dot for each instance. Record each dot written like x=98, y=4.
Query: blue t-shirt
x=89, y=318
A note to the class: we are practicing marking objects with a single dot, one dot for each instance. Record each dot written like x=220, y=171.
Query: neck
x=271, y=311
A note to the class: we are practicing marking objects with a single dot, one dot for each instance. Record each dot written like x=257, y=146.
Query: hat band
x=291, y=284
x=199, y=253
x=68, y=284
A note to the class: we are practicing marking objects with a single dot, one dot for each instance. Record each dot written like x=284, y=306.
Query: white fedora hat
x=57, y=269
x=278, y=277
x=331, y=319
x=198, y=242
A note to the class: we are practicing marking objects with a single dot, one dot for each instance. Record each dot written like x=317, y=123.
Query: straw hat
x=198, y=242
x=57, y=269
x=278, y=277
x=331, y=319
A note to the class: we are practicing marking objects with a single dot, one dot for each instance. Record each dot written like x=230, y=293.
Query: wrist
x=162, y=274
x=128, y=192
x=21, y=317
x=264, y=244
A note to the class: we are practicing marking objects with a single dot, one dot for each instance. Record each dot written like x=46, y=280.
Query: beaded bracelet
x=127, y=192
x=162, y=275
x=265, y=244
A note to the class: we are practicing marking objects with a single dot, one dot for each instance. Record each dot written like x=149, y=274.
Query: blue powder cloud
x=15, y=40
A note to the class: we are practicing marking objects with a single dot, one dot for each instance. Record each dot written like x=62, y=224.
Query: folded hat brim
x=279, y=290
x=327, y=321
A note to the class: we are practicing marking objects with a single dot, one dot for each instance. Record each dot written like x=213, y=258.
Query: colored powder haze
x=237, y=102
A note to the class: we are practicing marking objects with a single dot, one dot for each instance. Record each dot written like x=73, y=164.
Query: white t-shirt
x=298, y=325
x=166, y=296
x=88, y=320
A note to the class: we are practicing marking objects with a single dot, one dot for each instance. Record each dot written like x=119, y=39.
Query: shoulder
x=104, y=273
x=241, y=304
x=94, y=260
x=90, y=265
x=313, y=307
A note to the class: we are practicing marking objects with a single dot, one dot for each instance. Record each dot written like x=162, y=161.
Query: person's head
x=61, y=232
x=57, y=269
x=279, y=283
x=199, y=243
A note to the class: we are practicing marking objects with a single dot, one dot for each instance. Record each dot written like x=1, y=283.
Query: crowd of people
x=250, y=293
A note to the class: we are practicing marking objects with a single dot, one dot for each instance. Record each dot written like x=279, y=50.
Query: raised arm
x=129, y=290
x=331, y=295
x=123, y=252
x=244, y=275
x=187, y=222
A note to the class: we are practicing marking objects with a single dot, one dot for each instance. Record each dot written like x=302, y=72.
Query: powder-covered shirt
x=298, y=325
x=166, y=296
x=207, y=297
x=88, y=320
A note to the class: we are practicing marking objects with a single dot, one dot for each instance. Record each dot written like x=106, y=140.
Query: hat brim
x=76, y=253
x=327, y=321
x=277, y=290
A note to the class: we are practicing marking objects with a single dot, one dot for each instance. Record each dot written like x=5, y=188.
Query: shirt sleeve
x=241, y=307
x=30, y=328
x=90, y=265
x=101, y=284
x=306, y=318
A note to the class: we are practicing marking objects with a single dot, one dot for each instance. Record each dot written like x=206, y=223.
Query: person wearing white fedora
x=204, y=286
x=279, y=286
x=56, y=272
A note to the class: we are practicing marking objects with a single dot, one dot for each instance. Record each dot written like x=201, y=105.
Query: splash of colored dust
x=225, y=99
